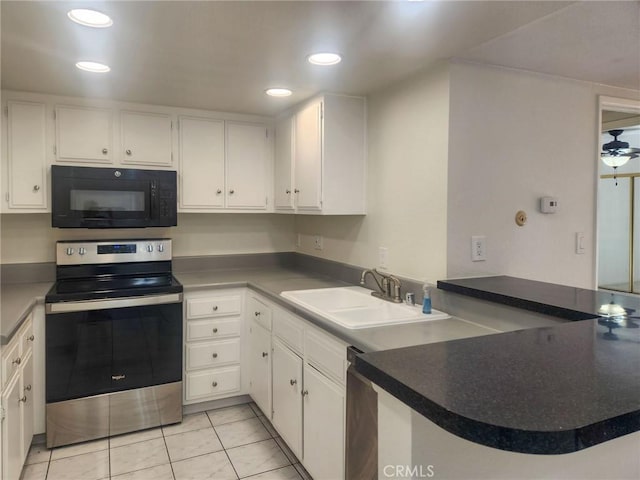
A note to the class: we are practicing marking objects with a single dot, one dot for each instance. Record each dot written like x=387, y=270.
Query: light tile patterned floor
x=227, y=443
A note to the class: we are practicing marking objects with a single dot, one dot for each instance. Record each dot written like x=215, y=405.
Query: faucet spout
x=388, y=285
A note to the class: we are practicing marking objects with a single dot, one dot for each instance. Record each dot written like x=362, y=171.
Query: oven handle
x=101, y=304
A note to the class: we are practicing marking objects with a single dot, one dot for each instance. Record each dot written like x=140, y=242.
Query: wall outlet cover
x=478, y=248
x=317, y=242
x=383, y=257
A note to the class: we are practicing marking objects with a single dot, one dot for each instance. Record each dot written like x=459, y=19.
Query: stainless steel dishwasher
x=362, y=424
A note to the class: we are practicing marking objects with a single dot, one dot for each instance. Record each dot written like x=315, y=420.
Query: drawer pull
x=214, y=355
x=27, y=388
x=17, y=361
x=31, y=338
x=257, y=314
x=214, y=384
x=265, y=354
x=23, y=399
x=293, y=381
x=215, y=308
x=215, y=330
x=304, y=393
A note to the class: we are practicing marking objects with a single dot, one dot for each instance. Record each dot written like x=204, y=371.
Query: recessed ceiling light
x=278, y=92
x=324, y=58
x=94, y=67
x=90, y=18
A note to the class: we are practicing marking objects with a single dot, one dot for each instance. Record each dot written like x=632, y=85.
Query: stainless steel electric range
x=113, y=340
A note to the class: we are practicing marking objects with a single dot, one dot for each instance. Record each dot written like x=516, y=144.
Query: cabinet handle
x=27, y=388
x=128, y=152
x=304, y=393
x=257, y=314
x=231, y=192
x=287, y=191
x=105, y=151
x=23, y=399
x=215, y=308
x=293, y=381
x=265, y=354
x=214, y=355
x=31, y=338
x=214, y=384
x=215, y=330
x=218, y=192
x=36, y=188
x=296, y=190
x=17, y=361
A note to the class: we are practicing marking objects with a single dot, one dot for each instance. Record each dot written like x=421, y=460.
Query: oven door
x=104, y=346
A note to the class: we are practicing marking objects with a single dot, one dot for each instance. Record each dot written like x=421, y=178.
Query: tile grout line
x=223, y=449
x=164, y=440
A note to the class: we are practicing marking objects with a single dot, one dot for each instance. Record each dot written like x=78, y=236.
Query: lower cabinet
x=260, y=366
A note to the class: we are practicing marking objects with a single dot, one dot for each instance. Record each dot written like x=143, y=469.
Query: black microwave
x=91, y=197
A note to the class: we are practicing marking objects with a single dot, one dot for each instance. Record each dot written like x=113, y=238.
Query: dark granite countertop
x=570, y=303
x=549, y=390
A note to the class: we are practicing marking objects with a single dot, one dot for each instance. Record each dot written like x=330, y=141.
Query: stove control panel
x=84, y=252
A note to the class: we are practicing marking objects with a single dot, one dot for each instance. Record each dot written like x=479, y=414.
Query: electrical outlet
x=317, y=242
x=383, y=255
x=299, y=240
x=478, y=248
x=580, y=248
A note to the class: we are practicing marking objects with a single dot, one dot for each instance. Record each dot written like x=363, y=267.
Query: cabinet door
x=308, y=157
x=146, y=138
x=324, y=417
x=201, y=163
x=287, y=401
x=11, y=431
x=283, y=172
x=247, y=166
x=26, y=405
x=83, y=134
x=260, y=367
x=27, y=160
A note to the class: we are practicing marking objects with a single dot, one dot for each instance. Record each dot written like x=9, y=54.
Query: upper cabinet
x=83, y=134
x=27, y=163
x=201, y=163
x=323, y=169
x=146, y=138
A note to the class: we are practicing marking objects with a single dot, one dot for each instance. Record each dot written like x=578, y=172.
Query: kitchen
x=430, y=137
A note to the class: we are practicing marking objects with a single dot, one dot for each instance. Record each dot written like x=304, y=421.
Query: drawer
x=289, y=329
x=326, y=354
x=214, y=382
x=10, y=360
x=212, y=354
x=213, y=306
x=26, y=336
x=259, y=311
x=211, y=329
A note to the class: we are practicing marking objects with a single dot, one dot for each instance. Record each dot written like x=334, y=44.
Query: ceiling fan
x=616, y=153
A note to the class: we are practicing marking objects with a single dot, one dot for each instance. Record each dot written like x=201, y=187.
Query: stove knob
x=69, y=251
x=161, y=247
x=82, y=251
x=149, y=248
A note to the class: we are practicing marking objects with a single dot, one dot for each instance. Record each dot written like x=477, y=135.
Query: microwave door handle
x=104, y=304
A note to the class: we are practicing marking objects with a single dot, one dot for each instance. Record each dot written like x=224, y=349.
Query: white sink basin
x=354, y=307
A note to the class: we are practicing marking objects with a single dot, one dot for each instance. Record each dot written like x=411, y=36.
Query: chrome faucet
x=388, y=285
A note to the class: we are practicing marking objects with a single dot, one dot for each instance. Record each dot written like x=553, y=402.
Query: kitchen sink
x=354, y=307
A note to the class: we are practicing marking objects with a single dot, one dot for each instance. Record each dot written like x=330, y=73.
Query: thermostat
x=548, y=204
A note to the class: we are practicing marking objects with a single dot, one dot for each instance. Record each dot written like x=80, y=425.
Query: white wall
x=406, y=184
x=515, y=137
x=28, y=238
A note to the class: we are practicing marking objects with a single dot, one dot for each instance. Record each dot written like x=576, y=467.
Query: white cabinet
x=18, y=401
x=27, y=164
x=260, y=366
x=201, y=163
x=83, y=134
x=287, y=400
x=146, y=138
x=247, y=165
x=327, y=157
x=213, y=345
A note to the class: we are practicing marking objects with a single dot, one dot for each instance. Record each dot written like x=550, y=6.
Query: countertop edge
x=38, y=300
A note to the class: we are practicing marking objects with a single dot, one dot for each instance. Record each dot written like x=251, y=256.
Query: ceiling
x=223, y=55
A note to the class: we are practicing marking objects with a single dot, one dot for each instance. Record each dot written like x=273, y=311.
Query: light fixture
x=93, y=67
x=90, y=18
x=278, y=92
x=617, y=153
x=324, y=58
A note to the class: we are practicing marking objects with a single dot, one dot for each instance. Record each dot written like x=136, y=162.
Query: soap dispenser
x=426, y=301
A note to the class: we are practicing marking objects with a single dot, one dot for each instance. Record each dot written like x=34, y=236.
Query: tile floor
x=227, y=443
